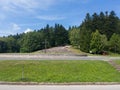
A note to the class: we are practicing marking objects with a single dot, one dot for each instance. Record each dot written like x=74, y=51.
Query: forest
x=97, y=33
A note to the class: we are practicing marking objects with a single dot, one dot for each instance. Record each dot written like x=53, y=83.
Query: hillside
x=61, y=50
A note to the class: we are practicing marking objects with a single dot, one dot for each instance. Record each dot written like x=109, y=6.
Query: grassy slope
x=114, y=54
x=76, y=51
x=58, y=71
x=118, y=62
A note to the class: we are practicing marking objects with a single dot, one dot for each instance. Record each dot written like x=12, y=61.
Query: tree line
x=37, y=40
x=97, y=33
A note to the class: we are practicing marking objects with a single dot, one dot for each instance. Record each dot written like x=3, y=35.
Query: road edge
x=72, y=83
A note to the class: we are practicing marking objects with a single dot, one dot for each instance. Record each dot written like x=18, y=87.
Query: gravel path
x=53, y=57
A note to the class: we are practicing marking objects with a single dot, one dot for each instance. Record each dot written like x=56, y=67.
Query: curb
x=72, y=83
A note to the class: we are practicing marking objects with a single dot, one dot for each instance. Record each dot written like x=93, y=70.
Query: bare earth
x=58, y=50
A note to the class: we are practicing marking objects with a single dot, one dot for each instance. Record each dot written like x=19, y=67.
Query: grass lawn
x=58, y=71
x=118, y=62
x=114, y=54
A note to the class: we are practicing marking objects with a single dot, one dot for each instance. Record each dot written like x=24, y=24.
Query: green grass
x=117, y=61
x=114, y=54
x=58, y=71
x=76, y=50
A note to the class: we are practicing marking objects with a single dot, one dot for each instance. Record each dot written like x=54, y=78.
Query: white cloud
x=50, y=18
x=11, y=28
x=27, y=5
x=29, y=24
x=15, y=27
x=28, y=30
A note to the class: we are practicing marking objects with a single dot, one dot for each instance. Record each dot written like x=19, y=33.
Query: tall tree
x=61, y=35
x=97, y=45
x=85, y=37
x=113, y=22
x=3, y=46
x=74, y=37
x=12, y=44
x=115, y=43
x=95, y=22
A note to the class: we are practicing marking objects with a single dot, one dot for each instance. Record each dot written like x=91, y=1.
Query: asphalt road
x=53, y=57
x=60, y=87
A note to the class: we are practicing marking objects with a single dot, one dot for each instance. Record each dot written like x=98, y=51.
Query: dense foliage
x=32, y=41
x=97, y=33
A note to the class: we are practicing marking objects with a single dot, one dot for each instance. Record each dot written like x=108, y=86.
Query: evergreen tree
x=85, y=38
x=113, y=22
x=61, y=35
x=11, y=44
x=95, y=22
x=106, y=23
x=3, y=46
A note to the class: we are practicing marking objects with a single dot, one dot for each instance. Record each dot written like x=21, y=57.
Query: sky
x=18, y=16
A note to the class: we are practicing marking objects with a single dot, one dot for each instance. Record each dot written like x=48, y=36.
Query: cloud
x=74, y=1
x=28, y=30
x=29, y=24
x=15, y=27
x=27, y=5
x=50, y=18
x=11, y=28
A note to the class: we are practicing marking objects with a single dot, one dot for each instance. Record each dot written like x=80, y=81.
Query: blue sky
x=17, y=16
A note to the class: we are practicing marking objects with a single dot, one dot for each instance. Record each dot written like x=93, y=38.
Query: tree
x=48, y=35
x=12, y=45
x=3, y=46
x=88, y=21
x=97, y=44
x=32, y=41
x=74, y=37
x=115, y=43
x=85, y=37
x=95, y=22
x=60, y=35
x=106, y=23
x=113, y=22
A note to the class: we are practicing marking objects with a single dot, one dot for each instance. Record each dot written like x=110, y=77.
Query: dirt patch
x=66, y=50
x=61, y=49
x=115, y=65
x=57, y=50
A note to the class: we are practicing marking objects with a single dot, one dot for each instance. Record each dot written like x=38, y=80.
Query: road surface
x=60, y=87
x=53, y=57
